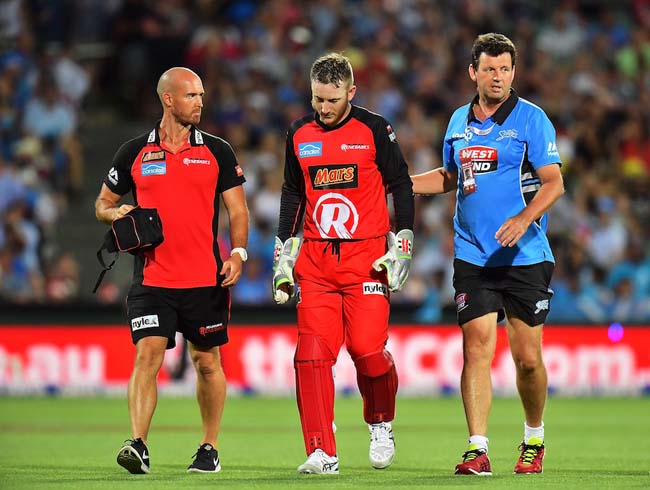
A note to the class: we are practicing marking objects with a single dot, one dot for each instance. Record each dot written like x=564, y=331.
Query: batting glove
x=284, y=260
x=397, y=260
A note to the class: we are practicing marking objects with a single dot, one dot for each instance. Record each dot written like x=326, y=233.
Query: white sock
x=529, y=432
x=480, y=441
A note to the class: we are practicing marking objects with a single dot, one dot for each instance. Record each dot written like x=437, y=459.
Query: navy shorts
x=518, y=291
x=200, y=314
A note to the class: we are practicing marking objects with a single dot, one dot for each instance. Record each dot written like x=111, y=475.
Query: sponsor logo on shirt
x=153, y=155
x=551, y=150
x=375, y=288
x=113, y=176
x=354, y=146
x=312, y=149
x=343, y=176
x=484, y=159
x=240, y=172
x=198, y=137
x=148, y=321
x=158, y=168
x=196, y=161
x=210, y=329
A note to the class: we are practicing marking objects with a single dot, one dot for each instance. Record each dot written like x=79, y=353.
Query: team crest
x=461, y=301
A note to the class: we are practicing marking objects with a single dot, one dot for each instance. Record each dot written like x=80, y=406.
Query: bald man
x=183, y=284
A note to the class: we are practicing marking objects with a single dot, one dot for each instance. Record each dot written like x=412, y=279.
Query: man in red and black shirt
x=341, y=161
x=181, y=285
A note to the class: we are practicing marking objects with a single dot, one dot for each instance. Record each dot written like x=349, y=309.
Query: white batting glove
x=284, y=260
x=397, y=260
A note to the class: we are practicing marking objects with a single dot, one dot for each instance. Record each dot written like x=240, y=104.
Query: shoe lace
x=471, y=455
x=319, y=457
x=380, y=434
x=202, y=453
x=528, y=453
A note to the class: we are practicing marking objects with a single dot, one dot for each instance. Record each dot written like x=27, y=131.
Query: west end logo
x=483, y=158
x=311, y=149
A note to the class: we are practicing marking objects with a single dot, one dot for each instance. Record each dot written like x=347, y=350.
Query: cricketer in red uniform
x=341, y=161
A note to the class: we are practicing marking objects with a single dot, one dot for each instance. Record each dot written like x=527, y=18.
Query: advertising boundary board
x=97, y=359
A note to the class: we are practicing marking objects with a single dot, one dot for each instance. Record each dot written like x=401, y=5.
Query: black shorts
x=518, y=291
x=200, y=314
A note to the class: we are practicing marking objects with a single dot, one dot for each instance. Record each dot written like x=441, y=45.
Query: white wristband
x=242, y=253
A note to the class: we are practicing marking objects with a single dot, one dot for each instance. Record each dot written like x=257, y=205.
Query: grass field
x=66, y=443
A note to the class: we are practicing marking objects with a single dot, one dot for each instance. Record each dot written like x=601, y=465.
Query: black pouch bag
x=138, y=231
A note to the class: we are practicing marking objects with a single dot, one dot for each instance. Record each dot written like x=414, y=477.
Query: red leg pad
x=315, y=393
x=377, y=380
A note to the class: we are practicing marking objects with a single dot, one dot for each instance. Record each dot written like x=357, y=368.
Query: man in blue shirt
x=500, y=155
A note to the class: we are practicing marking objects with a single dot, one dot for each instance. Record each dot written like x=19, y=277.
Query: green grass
x=67, y=443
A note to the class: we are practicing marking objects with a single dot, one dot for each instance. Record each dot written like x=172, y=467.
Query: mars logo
x=334, y=176
x=483, y=158
x=335, y=216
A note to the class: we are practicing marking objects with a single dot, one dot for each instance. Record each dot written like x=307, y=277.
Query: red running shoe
x=530, y=460
x=475, y=462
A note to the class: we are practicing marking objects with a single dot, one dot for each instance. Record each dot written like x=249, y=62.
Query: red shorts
x=342, y=298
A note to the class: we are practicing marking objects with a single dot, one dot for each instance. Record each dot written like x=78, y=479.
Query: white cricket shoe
x=320, y=463
x=382, y=445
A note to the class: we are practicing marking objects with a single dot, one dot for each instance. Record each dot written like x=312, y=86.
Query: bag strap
x=105, y=268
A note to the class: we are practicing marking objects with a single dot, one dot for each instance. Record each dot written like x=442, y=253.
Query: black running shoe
x=206, y=460
x=134, y=456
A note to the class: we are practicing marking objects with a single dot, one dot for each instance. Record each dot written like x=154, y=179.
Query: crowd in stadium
x=587, y=64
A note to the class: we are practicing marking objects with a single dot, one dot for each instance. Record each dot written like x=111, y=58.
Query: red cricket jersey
x=340, y=176
x=184, y=187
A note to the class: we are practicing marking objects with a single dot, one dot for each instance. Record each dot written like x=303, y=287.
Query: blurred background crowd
x=74, y=74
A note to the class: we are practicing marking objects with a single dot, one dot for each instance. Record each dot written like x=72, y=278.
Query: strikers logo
x=335, y=216
x=334, y=176
x=484, y=159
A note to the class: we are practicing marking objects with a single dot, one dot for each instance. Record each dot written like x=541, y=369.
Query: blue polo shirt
x=505, y=151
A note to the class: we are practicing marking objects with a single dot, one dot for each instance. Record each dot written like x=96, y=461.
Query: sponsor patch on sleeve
x=240, y=172
x=391, y=134
x=113, y=176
